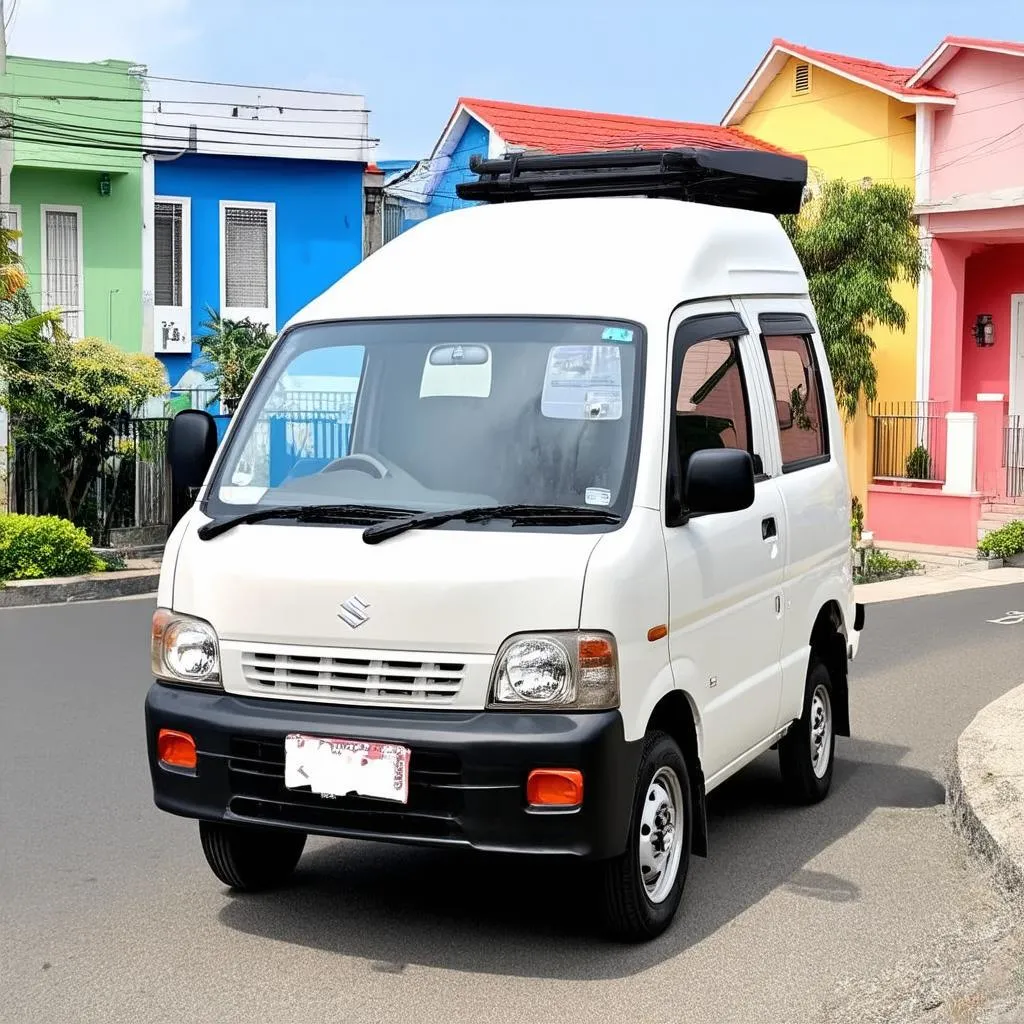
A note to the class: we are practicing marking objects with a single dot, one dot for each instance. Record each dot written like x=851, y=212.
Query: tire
x=807, y=751
x=635, y=910
x=250, y=859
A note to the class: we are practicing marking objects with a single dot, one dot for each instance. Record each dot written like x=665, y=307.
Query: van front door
x=725, y=571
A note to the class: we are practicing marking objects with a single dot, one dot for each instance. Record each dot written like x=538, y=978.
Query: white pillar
x=961, y=452
x=148, y=266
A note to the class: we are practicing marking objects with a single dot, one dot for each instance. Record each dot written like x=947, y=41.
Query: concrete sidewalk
x=985, y=788
x=942, y=581
x=139, y=577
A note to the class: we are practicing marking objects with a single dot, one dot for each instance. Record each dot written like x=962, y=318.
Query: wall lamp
x=984, y=332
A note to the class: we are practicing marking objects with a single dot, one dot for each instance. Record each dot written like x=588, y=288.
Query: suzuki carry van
x=529, y=533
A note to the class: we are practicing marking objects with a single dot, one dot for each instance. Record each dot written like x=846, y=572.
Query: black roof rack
x=743, y=179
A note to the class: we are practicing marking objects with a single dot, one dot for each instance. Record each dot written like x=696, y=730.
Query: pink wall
x=920, y=516
x=992, y=276
x=990, y=97
x=948, y=261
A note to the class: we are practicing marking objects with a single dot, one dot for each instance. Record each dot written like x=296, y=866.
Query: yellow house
x=851, y=119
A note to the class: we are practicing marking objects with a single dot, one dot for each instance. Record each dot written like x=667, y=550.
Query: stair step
x=1003, y=508
x=933, y=557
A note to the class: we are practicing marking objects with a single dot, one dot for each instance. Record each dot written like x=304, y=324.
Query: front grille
x=352, y=680
x=256, y=776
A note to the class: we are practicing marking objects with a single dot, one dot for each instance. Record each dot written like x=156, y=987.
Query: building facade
x=852, y=119
x=254, y=205
x=76, y=192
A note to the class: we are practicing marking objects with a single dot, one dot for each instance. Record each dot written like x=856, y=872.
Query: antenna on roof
x=742, y=179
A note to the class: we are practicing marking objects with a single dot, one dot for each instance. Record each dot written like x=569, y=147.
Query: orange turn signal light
x=176, y=749
x=554, y=787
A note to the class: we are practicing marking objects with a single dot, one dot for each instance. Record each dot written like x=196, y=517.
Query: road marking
x=1009, y=619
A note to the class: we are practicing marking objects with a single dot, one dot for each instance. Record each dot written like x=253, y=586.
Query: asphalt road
x=108, y=912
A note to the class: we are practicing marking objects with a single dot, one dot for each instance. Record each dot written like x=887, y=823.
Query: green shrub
x=1002, y=543
x=881, y=566
x=856, y=520
x=35, y=547
x=919, y=464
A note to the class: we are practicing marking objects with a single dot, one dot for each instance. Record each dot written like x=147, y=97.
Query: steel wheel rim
x=662, y=834
x=821, y=731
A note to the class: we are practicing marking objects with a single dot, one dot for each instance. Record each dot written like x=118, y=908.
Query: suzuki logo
x=353, y=612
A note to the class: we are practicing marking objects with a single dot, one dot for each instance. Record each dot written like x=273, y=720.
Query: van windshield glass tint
x=432, y=414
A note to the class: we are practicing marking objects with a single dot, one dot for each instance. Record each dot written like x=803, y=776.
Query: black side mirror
x=784, y=411
x=191, y=446
x=718, y=480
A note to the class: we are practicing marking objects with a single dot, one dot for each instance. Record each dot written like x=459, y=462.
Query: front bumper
x=467, y=772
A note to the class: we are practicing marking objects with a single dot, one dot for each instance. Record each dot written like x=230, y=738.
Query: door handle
x=768, y=528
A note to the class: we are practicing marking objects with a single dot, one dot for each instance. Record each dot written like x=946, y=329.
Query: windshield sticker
x=583, y=382
x=618, y=335
x=457, y=371
x=598, y=496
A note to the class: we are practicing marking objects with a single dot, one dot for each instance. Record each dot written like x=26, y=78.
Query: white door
x=725, y=571
x=1017, y=358
x=63, y=283
x=803, y=455
x=172, y=272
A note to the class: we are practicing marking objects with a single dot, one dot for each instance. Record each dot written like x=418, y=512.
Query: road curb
x=96, y=587
x=985, y=787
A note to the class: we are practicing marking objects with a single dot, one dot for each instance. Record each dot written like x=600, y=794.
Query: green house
x=76, y=191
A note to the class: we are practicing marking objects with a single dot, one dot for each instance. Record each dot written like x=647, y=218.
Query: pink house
x=970, y=349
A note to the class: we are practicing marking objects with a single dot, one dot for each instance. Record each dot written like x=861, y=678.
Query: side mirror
x=191, y=446
x=784, y=412
x=719, y=480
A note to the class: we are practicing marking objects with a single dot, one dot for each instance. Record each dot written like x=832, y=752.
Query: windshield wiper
x=356, y=514
x=568, y=515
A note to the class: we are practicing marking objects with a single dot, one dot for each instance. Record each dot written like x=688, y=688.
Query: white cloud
x=144, y=31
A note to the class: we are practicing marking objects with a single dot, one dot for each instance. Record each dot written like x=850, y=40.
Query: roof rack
x=742, y=179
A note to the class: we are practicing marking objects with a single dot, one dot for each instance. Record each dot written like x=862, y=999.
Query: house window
x=802, y=79
x=247, y=261
x=62, y=265
x=10, y=219
x=168, y=254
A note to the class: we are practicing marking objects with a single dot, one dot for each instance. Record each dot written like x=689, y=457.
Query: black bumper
x=467, y=772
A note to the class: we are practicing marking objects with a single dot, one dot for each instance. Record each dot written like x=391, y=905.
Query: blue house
x=492, y=128
x=253, y=205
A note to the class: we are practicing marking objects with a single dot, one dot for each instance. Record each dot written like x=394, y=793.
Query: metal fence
x=1013, y=456
x=910, y=441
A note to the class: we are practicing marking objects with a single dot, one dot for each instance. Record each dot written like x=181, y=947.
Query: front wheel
x=250, y=859
x=643, y=886
x=807, y=751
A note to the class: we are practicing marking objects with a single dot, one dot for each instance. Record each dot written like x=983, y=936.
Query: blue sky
x=660, y=58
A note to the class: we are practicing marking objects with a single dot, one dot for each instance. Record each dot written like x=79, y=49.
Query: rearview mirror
x=784, y=411
x=191, y=446
x=718, y=480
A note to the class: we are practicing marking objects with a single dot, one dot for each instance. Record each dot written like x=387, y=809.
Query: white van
x=530, y=532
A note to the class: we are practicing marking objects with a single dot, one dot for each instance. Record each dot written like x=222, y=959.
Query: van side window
x=711, y=405
x=799, y=401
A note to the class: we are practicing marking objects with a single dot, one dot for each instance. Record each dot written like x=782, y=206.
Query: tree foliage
x=233, y=350
x=66, y=400
x=855, y=242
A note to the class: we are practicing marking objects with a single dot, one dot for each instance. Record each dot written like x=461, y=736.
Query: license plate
x=339, y=767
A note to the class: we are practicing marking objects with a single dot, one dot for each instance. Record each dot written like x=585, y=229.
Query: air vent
x=802, y=78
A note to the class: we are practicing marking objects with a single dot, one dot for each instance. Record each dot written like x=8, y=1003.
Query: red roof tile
x=553, y=130
x=984, y=44
x=883, y=76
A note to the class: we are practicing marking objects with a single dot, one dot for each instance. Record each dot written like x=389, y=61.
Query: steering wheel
x=359, y=462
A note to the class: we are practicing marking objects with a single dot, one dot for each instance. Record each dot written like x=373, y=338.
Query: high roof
x=557, y=130
x=890, y=79
x=951, y=46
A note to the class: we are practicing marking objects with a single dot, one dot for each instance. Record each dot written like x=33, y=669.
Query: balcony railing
x=910, y=441
x=1013, y=456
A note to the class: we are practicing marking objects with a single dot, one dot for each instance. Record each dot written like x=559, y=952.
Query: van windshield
x=439, y=413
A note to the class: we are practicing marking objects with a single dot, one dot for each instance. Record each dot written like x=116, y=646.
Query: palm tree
x=233, y=350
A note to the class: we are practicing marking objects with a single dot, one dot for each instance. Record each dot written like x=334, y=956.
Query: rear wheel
x=250, y=859
x=807, y=751
x=644, y=885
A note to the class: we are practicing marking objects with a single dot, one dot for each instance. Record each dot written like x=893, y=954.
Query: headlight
x=566, y=670
x=184, y=649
